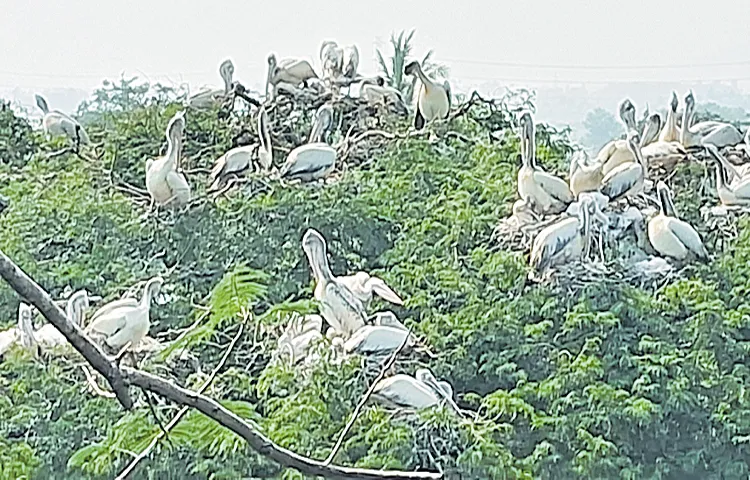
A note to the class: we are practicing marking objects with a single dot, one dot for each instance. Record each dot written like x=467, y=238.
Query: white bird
x=125, y=321
x=715, y=133
x=332, y=59
x=164, y=183
x=312, y=161
x=628, y=178
x=240, y=159
x=735, y=173
x=57, y=123
x=543, y=192
x=670, y=132
x=290, y=70
x=207, y=98
x=301, y=333
x=386, y=335
x=405, y=391
x=434, y=100
x=322, y=123
x=363, y=286
x=338, y=305
x=730, y=194
x=616, y=152
x=49, y=335
x=561, y=242
x=25, y=326
x=12, y=336
x=656, y=151
x=584, y=176
x=375, y=92
x=351, y=62
x=670, y=236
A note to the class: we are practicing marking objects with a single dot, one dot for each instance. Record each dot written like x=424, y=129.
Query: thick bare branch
x=34, y=294
x=259, y=442
x=121, y=378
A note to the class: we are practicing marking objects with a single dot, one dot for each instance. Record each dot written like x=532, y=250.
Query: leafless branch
x=120, y=378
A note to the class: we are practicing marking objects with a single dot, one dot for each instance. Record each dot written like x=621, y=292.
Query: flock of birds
x=123, y=325
x=602, y=193
x=603, y=189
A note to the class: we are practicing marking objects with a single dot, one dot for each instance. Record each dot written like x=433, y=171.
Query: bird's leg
x=121, y=353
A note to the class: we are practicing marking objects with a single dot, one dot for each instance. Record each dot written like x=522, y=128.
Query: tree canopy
x=611, y=380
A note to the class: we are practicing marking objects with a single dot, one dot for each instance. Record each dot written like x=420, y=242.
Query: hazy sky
x=76, y=43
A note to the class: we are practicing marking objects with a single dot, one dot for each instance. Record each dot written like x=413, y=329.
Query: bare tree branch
x=34, y=294
x=121, y=378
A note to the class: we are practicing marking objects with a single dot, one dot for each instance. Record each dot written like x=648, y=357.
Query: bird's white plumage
x=164, y=183
x=127, y=320
x=56, y=123
x=670, y=236
x=363, y=286
x=207, y=98
x=309, y=162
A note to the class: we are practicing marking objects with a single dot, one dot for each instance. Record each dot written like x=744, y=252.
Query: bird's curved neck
x=148, y=293
x=27, y=330
x=227, y=77
x=426, y=81
x=687, y=118
x=319, y=264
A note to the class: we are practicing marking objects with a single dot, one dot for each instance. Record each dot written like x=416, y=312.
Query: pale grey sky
x=49, y=44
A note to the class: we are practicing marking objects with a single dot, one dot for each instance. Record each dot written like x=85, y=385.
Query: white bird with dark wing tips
x=375, y=92
x=386, y=335
x=670, y=236
x=616, y=152
x=240, y=159
x=207, y=98
x=405, y=391
x=338, y=305
x=312, y=161
x=434, y=101
x=57, y=123
x=715, y=133
x=670, y=132
x=164, y=183
x=562, y=241
x=290, y=70
x=125, y=321
x=363, y=286
x=543, y=192
x=626, y=180
x=730, y=194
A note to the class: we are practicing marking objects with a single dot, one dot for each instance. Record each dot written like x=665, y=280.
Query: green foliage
x=611, y=382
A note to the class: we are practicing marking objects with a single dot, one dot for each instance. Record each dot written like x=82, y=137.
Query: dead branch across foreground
x=121, y=378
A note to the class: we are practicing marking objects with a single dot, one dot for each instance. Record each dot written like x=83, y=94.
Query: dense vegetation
x=606, y=381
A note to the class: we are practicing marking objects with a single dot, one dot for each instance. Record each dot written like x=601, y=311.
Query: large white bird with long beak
x=165, y=184
x=240, y=159
x=418, y=392
x=434, y=100
x=670, y=132
x=715, y=133
x=669, y=235
x=731, y=193
x=314, y=160
x=616, y=152
x=289, y=70
x=207, y=98
x=126, y=321
x=57, y=124
x=338, y=305
x=385, y=335
x=562, y=241
x=543, y=192
x=627, y=179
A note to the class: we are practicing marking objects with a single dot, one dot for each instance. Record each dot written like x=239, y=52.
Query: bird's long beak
x=385, y=292
x=316, y=133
